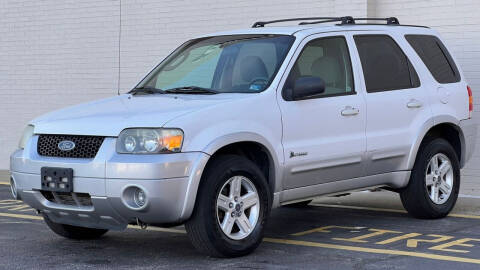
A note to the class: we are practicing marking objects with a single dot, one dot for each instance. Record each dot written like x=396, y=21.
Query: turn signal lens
x=470, y=101
x=172, y=142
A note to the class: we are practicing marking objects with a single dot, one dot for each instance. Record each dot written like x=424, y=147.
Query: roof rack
x=345, y=20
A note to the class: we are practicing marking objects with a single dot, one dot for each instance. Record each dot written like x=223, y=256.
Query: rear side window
x=385, y=66
x=436, y=57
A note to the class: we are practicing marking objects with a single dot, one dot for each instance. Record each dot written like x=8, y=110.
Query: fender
x=276, y=154
x=275, y=158
x=426, y=127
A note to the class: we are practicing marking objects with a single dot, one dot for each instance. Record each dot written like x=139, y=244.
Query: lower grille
x=65, y=198
x=84, y=146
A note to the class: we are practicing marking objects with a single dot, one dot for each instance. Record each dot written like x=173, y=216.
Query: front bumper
x=170, y=182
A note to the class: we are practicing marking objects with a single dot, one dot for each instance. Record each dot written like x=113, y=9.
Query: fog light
x=139, y=197
x=13, y=188
x=135, y=198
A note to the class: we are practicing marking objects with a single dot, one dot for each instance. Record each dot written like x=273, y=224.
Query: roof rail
x=343, y=20
x=346, y=20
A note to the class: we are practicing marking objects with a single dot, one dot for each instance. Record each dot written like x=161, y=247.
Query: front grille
x=75, y=199
x=85, y=146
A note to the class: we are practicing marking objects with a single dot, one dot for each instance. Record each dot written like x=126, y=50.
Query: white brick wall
x=53, y=54
x=58, y=53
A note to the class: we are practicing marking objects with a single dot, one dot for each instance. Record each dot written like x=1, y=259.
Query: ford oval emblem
x=66, y=145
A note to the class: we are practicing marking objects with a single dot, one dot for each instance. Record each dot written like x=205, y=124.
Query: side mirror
x=307, y=86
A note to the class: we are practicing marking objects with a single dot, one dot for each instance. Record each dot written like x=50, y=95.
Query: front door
x=323, y=135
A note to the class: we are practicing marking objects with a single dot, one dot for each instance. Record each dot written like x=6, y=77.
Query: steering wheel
x=259, y=81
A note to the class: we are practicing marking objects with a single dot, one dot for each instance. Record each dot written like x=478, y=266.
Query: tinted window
x=328, y=59
x=385, y=66
x=436, y=57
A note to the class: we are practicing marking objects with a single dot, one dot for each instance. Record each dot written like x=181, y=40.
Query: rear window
x=385, y=66
x=436, y=57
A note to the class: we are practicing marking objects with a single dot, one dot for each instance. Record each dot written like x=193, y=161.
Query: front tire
x=435, y=181
x=74, y=232
x=231, y=209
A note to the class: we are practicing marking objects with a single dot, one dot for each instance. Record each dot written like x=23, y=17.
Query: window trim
x=410, y=66
x=445, y=52
x=353, y=92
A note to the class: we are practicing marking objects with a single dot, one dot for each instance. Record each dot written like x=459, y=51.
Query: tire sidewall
x=434, y=147
x=216, y=178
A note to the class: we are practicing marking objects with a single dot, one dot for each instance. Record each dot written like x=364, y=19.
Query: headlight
x=27, y=134
x=149, y=141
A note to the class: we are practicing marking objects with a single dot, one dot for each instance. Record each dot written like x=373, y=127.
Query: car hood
x=108, y=117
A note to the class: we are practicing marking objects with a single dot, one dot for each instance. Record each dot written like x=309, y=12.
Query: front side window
x=328, y=59
x=385, y=66
x=436, y=57
x=236, y=63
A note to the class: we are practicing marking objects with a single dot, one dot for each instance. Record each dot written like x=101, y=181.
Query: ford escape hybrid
x=233, y=124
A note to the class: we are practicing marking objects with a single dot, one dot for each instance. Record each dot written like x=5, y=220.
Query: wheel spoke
x=228, y=223
x=244, y=224
x=235, y=187
x=444, y=187
x=250, y=199
x=435, y=163
x=434, y=194
x=222, y=202
x=444, y=168
x=429, y=180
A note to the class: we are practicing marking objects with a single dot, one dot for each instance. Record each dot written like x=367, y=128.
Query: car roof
x=306, y=30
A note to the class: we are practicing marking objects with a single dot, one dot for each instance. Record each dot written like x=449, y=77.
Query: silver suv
x=233, y=124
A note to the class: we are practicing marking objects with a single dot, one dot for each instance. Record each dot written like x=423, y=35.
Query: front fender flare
x=213, y=147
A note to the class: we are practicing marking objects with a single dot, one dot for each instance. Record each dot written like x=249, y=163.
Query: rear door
x=449, y=92
x=397, y=103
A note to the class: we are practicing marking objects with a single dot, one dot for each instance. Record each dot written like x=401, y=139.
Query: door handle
x=413, y=103
x=349, y=111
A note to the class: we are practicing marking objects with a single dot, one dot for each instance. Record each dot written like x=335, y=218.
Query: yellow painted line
x=372, y=250
x=464, y=216
x=21, y=216
x=5, y=183
x=306, y=244
x=385, y=210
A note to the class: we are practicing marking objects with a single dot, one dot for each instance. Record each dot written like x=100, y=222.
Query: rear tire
x=74, y=232
x=234, y=228
x=433, y=189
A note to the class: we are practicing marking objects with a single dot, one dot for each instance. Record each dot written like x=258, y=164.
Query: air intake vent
x=83, y=146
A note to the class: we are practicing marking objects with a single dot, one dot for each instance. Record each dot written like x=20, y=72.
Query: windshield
x=224, y=64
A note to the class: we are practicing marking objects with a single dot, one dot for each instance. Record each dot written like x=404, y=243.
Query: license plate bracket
x=57, y=179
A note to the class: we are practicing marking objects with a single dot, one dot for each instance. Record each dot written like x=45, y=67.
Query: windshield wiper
x=191, y=90
x=146, y=90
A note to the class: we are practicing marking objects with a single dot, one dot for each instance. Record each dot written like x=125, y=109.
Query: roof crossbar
x=315, y=20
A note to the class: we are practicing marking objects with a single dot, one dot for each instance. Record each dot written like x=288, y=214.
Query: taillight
x=470, y=102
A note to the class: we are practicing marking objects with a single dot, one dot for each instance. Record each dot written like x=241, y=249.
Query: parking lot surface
x=360, y=231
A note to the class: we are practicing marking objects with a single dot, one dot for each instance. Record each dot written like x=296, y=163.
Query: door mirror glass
x=308, y=86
